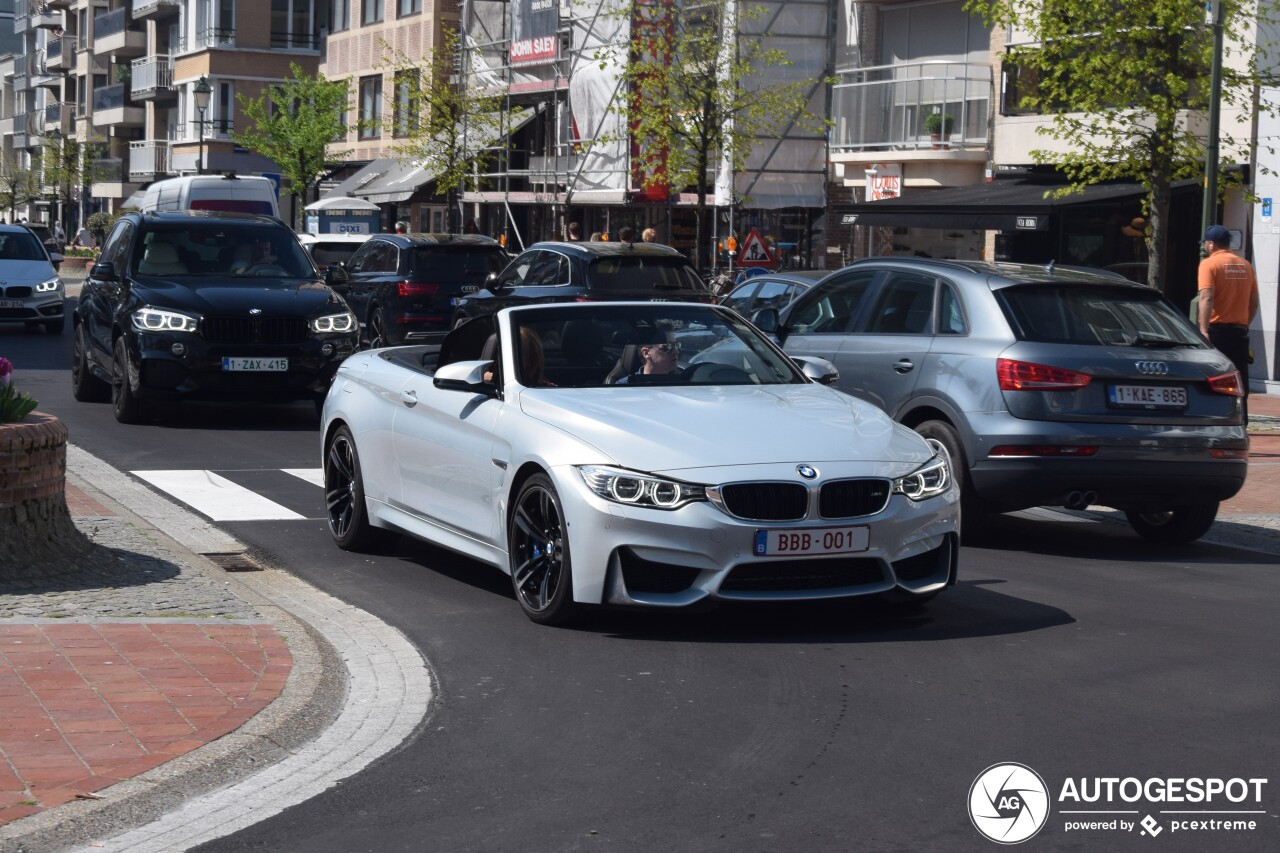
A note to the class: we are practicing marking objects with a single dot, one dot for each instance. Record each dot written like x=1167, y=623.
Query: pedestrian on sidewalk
x=1228, y=289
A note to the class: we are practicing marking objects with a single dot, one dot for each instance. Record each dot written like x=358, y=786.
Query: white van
x=248, y=194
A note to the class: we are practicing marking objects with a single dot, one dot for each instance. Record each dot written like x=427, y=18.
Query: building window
x=372, y=11
x=339, y=15
x=291, y=24
x=409, y=7
x=371, y=107
x=225, y=109
x=406, y=116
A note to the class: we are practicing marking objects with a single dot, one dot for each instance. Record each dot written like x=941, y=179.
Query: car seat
x=161, y=259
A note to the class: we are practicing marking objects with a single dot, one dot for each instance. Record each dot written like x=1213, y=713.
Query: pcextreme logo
x=1008, y=803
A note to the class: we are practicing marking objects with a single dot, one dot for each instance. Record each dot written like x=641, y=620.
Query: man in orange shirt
x=1228, y=302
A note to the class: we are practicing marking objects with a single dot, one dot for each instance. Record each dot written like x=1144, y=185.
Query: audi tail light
x=1028, y=376
x=1227, y=383
x=409, y=288
x=1043, y=450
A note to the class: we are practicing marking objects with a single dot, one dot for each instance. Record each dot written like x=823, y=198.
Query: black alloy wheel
x=128, y=408
x=344, y=494
x=1174, y=526
x=541, y=569
x=377, y=329
x=85, y=387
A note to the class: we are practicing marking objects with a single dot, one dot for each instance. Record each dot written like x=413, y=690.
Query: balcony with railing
x=151, y=77
x=206, y=38
x=156, y=9
x=112, y=107
x=150, y=159
x=28, y=130
x=112, y=33
x=56, y=57
x=214, y=129
x=60, y=118
x=38, y=71
x=32, y=14
x=886, y=107
x=109, y=170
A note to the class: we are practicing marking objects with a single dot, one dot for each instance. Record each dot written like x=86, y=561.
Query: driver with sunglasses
x=659, y=355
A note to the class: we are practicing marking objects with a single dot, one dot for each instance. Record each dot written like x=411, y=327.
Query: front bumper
x=197, y=371
x=35, y=309
x=635, y=556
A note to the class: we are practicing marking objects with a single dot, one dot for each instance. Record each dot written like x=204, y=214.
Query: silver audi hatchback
x=1046, y=387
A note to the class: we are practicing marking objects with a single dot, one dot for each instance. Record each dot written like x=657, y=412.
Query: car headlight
x=148, y=319
x=344, y=322
x=49, y=286
x=631, y=487
x=928, y=481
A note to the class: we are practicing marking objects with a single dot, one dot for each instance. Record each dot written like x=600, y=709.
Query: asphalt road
x=1072, y=647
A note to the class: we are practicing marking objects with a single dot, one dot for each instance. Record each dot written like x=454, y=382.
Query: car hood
x=25, y=272
x=672, y=429
x=288, y=298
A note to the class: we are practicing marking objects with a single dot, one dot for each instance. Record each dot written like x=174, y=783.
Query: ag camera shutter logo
x=1008, y=803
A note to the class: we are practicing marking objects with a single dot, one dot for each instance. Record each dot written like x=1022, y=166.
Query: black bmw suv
x=403, y=287
x=205, y=305
x=588, y=272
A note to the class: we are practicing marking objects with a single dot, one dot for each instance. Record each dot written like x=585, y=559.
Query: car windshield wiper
x=1160, y=343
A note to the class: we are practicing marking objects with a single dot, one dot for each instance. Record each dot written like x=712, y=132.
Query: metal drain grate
x=235, y=562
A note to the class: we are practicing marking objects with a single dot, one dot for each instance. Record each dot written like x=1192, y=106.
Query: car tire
x=974, y=514
x=538, y=544
x=55, y=327
x=345, y=509
x=1175, y=526
x=85, y=387
x=377, y=329
x=129, y=409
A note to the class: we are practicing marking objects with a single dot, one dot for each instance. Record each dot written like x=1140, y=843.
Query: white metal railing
x=151, y=73
x=887, y=106
x=150, y=157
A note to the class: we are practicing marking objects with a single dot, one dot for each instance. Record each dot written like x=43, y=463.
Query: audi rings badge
x=1152, y=368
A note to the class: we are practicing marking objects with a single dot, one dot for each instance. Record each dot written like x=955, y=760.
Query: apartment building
x=122, y=75
x=361, y=38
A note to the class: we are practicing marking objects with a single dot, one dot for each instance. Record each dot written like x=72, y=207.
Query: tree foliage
x=444, y=120
x=703, y=88
x=1126, y=87
x=17, y=184
x=292, y=124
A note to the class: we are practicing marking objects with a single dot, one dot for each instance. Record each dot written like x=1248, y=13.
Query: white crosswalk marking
x=217, y=497
x=315, y=476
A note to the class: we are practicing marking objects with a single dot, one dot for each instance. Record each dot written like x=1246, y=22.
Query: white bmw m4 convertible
x=654, y=453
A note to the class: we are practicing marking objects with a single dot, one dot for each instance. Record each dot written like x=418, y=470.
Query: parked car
x=403, y=287
x=45, y=235
x=201, y=305
x=771, y=290
x=331, y=249
x=1047, y=386
x=567, y=272
x=517, y=452
x=30, y=290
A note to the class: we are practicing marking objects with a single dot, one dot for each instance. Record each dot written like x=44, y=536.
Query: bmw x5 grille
x=254, y=330
x=766, y=501
x=852, y=498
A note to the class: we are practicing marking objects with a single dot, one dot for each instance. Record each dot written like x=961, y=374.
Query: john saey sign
x=533, y=31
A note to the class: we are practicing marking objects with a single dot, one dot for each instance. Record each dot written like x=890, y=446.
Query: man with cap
x=1228, y=292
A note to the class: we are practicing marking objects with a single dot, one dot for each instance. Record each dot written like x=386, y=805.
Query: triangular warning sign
x=754, y=252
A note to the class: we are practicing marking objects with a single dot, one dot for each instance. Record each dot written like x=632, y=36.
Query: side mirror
x=336, y=275
x=104, y=271
x=766, y=320
x=56, y=258
x=467, y=376
x=491, y=282
x=818, y=369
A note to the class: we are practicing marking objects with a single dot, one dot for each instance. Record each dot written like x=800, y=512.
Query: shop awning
x=995, y=206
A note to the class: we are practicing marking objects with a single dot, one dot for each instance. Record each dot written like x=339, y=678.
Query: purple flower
x=6, y=371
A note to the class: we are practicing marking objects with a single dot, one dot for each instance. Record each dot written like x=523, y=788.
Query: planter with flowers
x=78, y=258
x=36, y=531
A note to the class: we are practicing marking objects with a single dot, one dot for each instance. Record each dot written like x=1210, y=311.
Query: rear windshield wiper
x=1160, y=343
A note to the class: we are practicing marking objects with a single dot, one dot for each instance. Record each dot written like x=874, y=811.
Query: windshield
x=1076, y=314
x=202, y=248
x=642, y=272
x=328, y=253
x=668, y=344
x=20, y=246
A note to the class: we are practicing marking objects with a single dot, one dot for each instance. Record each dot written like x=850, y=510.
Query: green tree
x=1117, y=83
x=292, y=124
x=17, y=185
x=445, y=120
x=66, y=166
x=704, y=83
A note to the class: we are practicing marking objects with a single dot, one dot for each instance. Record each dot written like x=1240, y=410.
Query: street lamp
x=202, y=90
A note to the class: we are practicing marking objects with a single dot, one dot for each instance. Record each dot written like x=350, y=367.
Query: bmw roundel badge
x=807, y=471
